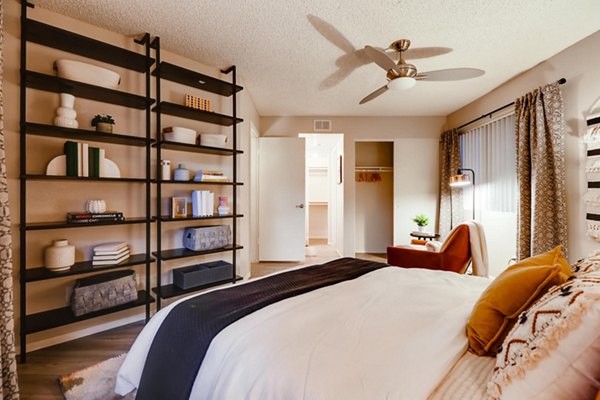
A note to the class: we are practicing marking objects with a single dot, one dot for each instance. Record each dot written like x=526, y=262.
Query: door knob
x=300, y=205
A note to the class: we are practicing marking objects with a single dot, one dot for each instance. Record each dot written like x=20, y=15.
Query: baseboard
x=43, y=343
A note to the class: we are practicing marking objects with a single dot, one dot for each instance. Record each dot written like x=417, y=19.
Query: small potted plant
x=103, y=123
x=421, y=220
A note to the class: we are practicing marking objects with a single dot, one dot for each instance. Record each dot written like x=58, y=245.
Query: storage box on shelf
x=170, y=72
x=56, y=38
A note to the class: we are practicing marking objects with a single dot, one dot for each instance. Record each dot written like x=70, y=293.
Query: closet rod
x=561, y=81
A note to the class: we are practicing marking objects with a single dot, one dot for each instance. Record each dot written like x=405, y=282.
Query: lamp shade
x=401, y=83
x=460, y=180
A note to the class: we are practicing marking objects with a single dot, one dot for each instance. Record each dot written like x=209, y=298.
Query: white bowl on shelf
x=180, y=135
x=87, y=73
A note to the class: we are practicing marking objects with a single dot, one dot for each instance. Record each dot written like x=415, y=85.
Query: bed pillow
x=433, y=245
x=512, y=292
x=554, y=350
x=586, y=265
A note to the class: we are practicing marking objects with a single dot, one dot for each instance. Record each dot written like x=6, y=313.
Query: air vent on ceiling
x=322, y=125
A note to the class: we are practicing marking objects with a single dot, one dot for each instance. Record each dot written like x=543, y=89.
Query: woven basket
x=102, y=291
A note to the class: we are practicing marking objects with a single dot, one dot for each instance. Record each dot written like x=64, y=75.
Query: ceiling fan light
x=401, y=83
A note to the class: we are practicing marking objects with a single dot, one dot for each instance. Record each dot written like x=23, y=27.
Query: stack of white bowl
x=65, y=114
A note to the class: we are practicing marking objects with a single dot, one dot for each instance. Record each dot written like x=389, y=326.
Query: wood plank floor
x=38, y=377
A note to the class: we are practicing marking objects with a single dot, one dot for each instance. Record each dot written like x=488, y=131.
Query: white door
x=281, y=197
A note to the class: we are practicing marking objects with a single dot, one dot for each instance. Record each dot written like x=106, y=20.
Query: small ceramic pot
x=421, y=228
x=166, y=170
x=60, y=256
x=181, y=174
x=104, y=127
x=95, y=206
x=67, y=100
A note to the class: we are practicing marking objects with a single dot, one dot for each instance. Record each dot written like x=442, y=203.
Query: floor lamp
x=462, y=180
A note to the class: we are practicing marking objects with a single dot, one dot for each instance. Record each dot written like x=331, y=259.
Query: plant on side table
x=103, y=123
x=421, y=220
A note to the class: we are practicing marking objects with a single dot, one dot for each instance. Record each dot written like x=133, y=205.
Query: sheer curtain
x=490, y=151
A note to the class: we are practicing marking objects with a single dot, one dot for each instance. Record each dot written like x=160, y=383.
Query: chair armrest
x=411, y=258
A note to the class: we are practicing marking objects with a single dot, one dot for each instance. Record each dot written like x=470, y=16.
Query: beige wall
x=579, y=64
x=396, y=129
x=50, y=201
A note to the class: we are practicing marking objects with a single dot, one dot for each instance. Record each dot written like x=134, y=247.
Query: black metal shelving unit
x=187, y=77
x=593, y=184
x=50, y=36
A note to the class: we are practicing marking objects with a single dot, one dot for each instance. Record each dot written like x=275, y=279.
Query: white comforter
x=391, y=334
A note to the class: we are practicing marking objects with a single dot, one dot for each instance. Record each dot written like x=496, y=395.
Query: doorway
x=374, y=197
x=324, y=193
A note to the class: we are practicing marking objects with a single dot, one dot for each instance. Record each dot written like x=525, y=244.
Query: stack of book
x=206, y=175
x=89, y=218
x=84, y=160
x=203, y=203
x=110, y=253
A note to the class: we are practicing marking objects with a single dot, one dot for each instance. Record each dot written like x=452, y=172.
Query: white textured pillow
x=433, y=245
x=553, y=352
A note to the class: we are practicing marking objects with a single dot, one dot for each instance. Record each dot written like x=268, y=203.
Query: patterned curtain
x=8, y=361
x=451, y=201
x=540, y=142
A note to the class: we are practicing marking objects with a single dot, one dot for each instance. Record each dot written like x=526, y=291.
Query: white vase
x=95, y=206
x=60, y=256
x=67, y=100
x=65, y=114
x=223, y=208
x=421, y=228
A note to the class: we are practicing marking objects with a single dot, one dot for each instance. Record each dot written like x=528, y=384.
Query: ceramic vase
x=60, y=256
x=166, y=170
x=421, y=228
x=223, y=208
x=65, y=114
x=95, y=206
x=181, y=174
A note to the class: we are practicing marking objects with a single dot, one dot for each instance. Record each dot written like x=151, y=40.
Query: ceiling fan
x=401, y=75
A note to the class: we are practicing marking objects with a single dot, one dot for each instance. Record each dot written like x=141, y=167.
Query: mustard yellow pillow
x=511, y=293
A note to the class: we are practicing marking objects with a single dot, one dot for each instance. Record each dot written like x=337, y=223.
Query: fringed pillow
x=553, y=352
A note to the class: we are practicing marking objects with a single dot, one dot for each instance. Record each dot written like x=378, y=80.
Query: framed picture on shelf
x=178, y=207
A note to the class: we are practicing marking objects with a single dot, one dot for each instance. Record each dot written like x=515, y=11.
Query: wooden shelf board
x=34, y=226
x=82, y=267
x=63, y=316
x=84, y=134
x=174, y=254
x=168, y=218
x=202, y=183
x=195, y=79
x=50, y=36
x=194, y=148
x=41, y=177
x=168, y=291
x=36, y=80
x=178, y=110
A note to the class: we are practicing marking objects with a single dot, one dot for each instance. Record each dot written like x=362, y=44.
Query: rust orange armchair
x=454, y=255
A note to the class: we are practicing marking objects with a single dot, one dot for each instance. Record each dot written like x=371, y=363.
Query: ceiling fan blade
x=375, y=94
x=450, y=74
x=381, y=58
x=425, y=52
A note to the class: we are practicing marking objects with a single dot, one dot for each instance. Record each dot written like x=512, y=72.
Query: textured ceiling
x=286, y=51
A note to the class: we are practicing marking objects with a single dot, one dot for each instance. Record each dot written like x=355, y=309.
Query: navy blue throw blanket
x=183, y=338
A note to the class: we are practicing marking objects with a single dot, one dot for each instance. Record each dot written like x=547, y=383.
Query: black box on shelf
x=202, y=274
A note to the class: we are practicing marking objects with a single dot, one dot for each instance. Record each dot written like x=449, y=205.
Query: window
x=490, y=151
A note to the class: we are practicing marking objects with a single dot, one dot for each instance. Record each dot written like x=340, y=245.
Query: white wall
x=416, y=179
x=579, y=64
x=364, y=128
x=45, y=204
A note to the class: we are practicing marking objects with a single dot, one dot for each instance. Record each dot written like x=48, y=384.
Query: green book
x=94, y=162
x=72, y=157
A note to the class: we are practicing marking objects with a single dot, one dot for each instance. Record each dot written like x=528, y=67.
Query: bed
x=384, y=333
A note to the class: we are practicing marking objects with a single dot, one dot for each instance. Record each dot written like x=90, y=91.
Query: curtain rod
x=561, y=81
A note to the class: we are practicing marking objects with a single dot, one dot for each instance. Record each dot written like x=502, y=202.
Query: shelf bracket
x=228, y=70
x=145, y=39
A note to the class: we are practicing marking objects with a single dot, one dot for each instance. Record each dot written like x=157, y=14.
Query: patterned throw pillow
x=554, y=349
x=586, y=265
